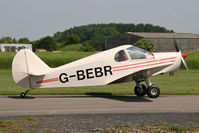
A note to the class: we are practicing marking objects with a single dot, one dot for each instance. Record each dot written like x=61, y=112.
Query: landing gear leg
x=153, y=91
x=148, y=82
x=23, y=94
x=140, y=89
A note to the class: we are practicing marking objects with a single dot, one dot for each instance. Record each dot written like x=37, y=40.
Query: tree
x=145, y=44
x=98, y=41
x=109, y=31
x=148, y=28
x=24, y=40
x=140, y=27
x=72, y=39
x=6, y=40
x=88, y=33
x=14, y=40
x=47, y=43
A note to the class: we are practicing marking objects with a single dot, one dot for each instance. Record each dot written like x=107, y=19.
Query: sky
x=35, y=19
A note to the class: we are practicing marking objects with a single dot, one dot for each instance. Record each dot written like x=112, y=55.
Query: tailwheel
x=153, y=91
x=140, y=91
x=23, y=94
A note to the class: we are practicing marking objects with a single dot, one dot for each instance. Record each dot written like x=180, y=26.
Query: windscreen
x=138, y=53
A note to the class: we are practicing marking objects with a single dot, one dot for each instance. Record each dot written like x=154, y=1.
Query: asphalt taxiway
x=59, y=105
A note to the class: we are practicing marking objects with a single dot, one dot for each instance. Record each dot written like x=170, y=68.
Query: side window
x=121, y=56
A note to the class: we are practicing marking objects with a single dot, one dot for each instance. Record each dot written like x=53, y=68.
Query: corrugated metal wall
x=160, y=44
x=168, y=44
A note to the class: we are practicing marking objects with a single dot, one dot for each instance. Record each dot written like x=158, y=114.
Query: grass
x=50, y=58
x=29, y=119
x=6, y=59
x=192, y=60
x=177, y=129
x=24, y=126
x=71, y=47
x=58, y=59
x=182, y=83
x=11, y=126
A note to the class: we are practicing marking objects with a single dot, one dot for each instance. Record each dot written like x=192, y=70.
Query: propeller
x=183, y=55
x=176, y=46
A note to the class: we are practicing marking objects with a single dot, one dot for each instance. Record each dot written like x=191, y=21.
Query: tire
x=23, y=95
x=138, y=92
x=153, y=91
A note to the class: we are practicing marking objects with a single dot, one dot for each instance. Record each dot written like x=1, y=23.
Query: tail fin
x=26, y=64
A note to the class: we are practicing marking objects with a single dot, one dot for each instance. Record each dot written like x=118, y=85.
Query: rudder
x=26, y=64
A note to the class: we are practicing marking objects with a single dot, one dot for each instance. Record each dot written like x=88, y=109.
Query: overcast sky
x=38, y=18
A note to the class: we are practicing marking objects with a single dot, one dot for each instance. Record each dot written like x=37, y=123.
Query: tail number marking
x=87, y=73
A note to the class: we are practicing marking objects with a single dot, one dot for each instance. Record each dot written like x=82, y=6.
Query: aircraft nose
x=184, y=55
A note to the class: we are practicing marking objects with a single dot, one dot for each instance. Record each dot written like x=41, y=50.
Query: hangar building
x=161, y=41
x=14, y=47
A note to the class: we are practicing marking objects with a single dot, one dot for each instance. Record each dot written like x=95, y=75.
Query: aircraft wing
x=150, y=71
x=141, y=74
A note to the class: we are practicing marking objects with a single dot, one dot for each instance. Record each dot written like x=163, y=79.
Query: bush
x=87, y=48
x=145, y=44
x=72, y=47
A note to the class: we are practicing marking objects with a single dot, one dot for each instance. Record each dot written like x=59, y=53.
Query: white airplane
x=103, y=68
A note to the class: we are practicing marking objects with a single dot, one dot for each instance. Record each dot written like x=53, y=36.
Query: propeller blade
x=182, y=55
x=176, y=46
x=182, y=58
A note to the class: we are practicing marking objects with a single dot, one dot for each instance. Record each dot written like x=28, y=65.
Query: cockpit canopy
x=134, y=53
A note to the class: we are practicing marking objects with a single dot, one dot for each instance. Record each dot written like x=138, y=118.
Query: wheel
x=153, y=91
x=140, y=92
x=23, y=95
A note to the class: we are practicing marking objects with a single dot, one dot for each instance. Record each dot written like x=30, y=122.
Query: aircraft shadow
x=18, y=97
x=126, y=98
x=90, y=95
x=119, y=98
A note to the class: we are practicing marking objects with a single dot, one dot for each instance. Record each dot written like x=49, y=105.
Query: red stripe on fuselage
x=135, y=64
x=144, y=62
x=167, y=58
x=47, y=80
x=143, y=65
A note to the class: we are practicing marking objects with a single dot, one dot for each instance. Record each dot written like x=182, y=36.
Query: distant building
x=14, y=47
x=40, y=50
x=161, y=41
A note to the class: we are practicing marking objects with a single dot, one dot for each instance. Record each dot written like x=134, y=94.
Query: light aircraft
x=103, y=68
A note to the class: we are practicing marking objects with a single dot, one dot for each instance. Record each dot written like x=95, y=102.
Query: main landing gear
x=152, y=91
x=23, y=94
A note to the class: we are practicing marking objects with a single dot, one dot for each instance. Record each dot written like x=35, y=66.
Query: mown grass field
x=50, y=58
x=60, y=58
x=182, y=83
x=192, y=60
